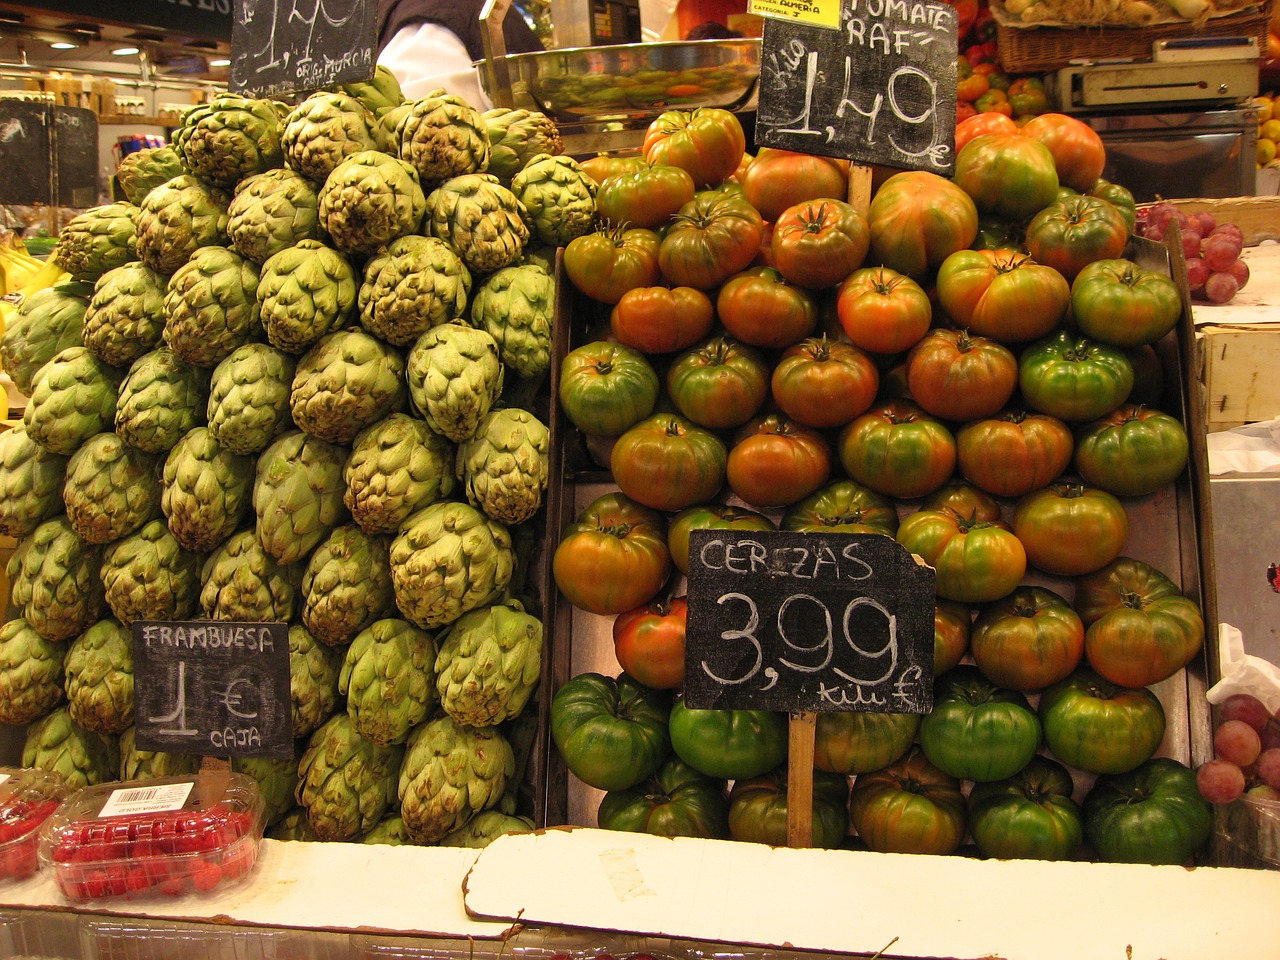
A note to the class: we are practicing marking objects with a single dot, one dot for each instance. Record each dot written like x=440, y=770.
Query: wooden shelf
x=131, y=120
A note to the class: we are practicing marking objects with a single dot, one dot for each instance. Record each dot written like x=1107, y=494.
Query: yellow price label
x=819, y=13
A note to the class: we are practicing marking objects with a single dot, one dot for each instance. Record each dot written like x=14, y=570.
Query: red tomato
x=979, y=123
x=917, y=219
x=882, y=310
x=959, y=377
x=1013, y=453
x=897, y=449
x=1078, y=152
x=668, y=463
x=614, y=557
x=776, y=462
x=607, y=263
x=1002, y=294
x=824, y=383
x=817, y=243
x=712, y=237
x=661, y=319
x=759, y=307
x=707, y=142
x=778, y=179
x=649, y=642
x=1027, y=640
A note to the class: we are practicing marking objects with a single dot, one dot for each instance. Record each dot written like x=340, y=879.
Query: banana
x=48, y=275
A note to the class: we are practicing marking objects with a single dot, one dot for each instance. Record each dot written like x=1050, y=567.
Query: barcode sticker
x=147, y=799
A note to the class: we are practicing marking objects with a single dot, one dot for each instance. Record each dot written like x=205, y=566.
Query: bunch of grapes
x=1246, y=748
x=1212, y=250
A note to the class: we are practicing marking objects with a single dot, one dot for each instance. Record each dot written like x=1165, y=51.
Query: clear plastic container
x=1248, y=831
x=155, y=838
x=28, y=797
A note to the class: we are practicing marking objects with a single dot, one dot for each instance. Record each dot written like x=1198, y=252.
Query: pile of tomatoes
x=967, y=365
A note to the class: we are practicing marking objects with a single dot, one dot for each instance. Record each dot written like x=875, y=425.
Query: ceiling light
x=124, y=51
x=63, y=45
x=220, y=63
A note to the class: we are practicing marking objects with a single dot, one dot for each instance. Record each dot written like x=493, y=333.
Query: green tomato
x=1098, y=726
x=852, y=743
x=1153, y=814
x=677, y=801
x=1074, y=379
x=976, y=730
x=1028, y=816
x=606, y=387
x=1131, y=451
x=611, y=733
x=733, y=744
x=1123, y=304
x=758, y=809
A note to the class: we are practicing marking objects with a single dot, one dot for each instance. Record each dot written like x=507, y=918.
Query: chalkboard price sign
x=286, y=46
x=880, y=89
x=781, y=620
x=213, y=688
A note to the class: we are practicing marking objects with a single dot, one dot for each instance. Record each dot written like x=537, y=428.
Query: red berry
x=207, y=877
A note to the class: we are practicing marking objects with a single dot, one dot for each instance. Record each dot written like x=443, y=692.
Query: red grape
x=1207, y=221
x=1220, y=287
x=1232, y=229
x=1240, y=270
x=1197, y=273
x=1246, y=707
x=1220, y=251
x=1190, y=242
x=1236, y=741
x=1220, y=781
x=1267, y=768
x=1271, y=734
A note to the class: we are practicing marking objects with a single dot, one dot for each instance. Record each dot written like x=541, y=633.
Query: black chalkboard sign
x=50, y=153
x=280, y=47
x=780, y=620
x=880, y=89
x=213, y=688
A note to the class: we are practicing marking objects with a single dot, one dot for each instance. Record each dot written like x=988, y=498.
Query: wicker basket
x=1037, y=49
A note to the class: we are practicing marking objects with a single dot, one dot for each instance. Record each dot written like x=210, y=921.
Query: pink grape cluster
x=1212, y=250
x=1246, y=747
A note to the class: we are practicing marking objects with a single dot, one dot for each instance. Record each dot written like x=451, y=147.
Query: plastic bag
x=1242, y=672
x=1248, y=449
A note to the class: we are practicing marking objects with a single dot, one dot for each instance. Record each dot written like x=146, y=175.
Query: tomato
x=974, y=561
x=1029, y=816
x=778, y=179
x=1002, y=294
x=842, y=506
x=758, y=809
x=614, y=557
x=734, y=744
x=1119, y=197
x=1069, y=529
x=668, y=463
x=712, y=237
x=1121, y=303
x=910, y=806
x=646, y=196
x=649, y=642
x=952, y=625
x=976, y=730
x=660, y=319
x=606, y=387
x=882, y=310
x=775, y=461
x=1013, y=452
x=1132, y=451
x=1153, y=814
x=1139, y=627
x=852, y=743
x=605, y=264
x=707, y=142
x=817, y=243
x=600, y=167
x=1094, y=725
x=958, y=376
x=759, y=307
x=1074, y=379
x=997, y=233
x=917, y=219
x=611, y=733
x=1027, y=640
x=897, y=449
x=1071, y=233
x=677, y=801
x=976, y=506
x=824, y=383
x=972, y=87
x=720, y=384
x=1007, y=174
x=1077, y=150
x=708, y=516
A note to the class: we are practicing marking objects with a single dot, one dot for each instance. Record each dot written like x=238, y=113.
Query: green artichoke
x=161, y=399
x=82, y=758
x=449, y=558
x=177, y=218
x=369, y=199
x=30, y=482
x=455, y=375
x=242, y=582
x=297, y=494
x=277, y=780
x=138, y=764
x=379, y=94
x=443, y=136
x=516, y=306
x=325, y=129
x=138, y=173
x=149, y=575
x=484, y=828
x=505, y=467
x=30, y=673
x=539, y=255
x=347, y=585
x=345, y=782
x=388, y=680
x=293, y=825
x=271, y=212
x=559, y=198
x=211, y=306
x=99, y=678
x=349, y=380
x=111, y=489
x=411, y=285
x=125, y=316
x=396, y=466
x=74, y=397
x=205, y=490
x=516, y=136
x=100, y=239
x=249, y=398
x=390, y=830
x=449, y=774
x=53, y=581
x=489, y=662
x=483, y=221
x=313, y=681
x=45, y=323
x=305, y=292
x=230, y=137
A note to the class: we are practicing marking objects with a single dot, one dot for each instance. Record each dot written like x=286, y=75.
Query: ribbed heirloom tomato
x=645, y=196
x=1096, y=725
x=778, y=179
x=611, y=732
x=1153, y=814
x=1002, y=294
x=614, y=259
x=734, y=744
x=917, y=219
x=614, y=557
x=677, y=801
x=1029, y=816
x=758, y=809
x=758, y=306
x=606, y=387
x=843, y=506
x=895, y=448
x=719, y=384
x=1069, y=529
x=1007, y=174
x=817, y=243
x=1132, y=451
x=668, y=463
x=909, y=806
x=1027, y=640
x=955, y=375
x=1013, y=452
x=975, y=560
x=976, y=730
x=1071, y=233
x=1072, y=378
x=776, y=461
x=658, y=319
x=952, y=625
x=1121, y=303
x=1077, y=150
x=824, y=383
x=853, y=743
x=649, y=642
x=708, y=516
x=882, y=310
x=707, y=142
x=712, y=237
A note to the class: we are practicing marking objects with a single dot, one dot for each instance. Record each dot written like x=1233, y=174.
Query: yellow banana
x=48, y=275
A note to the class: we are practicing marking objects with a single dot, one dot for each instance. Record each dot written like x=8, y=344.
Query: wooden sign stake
x=800, y=732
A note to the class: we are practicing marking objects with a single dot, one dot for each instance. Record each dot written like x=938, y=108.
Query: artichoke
x=99, y=678
x=369, y=199
x=242, y=582
x=379, y=94
x=82, y=758
x=125, y=315
x=449, y=558
x=297, y=494
x=347, y=585
x=74, y=397
x=54, y=582
x=484, y=828
x=161, y=399
x=149, y=575
x=277, y=780
x=505, y=467
x=138, y=764
x=313, y=681
x=483, y=221
x=349, y=380
x=111, y=489
x=390, y=830
x=396, y=466
x=443, y=136
x=489, y=662
x=30, y=482
x=205, y=490
x=305, y=292
x=292, y=825
x=516, y=136
x=411, y=285
x=455, y=375
x=559, y=198
x=46, y=323
x=271, y=212
x=346, y=782
x=449, y=774
x=177, y=218
x=325, y=129
x=30, y=673
x=230, y=137
x=249, y=398
x=100, y=239
x=138, y=173
x=388, y=680
x=211, y=306
x=516, y=306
